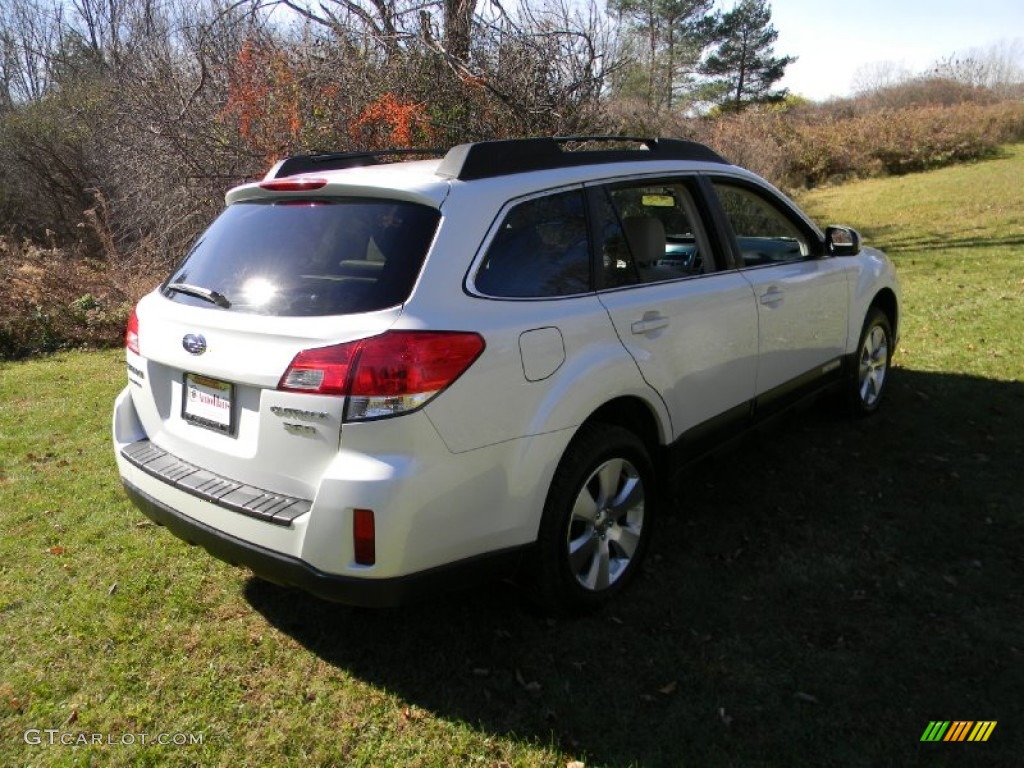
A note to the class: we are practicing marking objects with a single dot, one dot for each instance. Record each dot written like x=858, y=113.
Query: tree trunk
x=458, y=21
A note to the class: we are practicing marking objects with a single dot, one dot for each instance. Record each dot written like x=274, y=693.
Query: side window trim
x=719, y=222
x=597, y=199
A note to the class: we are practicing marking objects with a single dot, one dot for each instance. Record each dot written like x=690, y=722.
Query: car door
x=801, y=295
x=689, y=323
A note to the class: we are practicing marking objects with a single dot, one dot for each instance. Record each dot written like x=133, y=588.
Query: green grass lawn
x=820, y=594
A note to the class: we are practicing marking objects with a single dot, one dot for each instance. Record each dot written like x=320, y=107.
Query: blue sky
x=835, y=38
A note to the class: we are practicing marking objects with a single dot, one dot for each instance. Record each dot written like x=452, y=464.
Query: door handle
x=652, y=321
x=772, y=297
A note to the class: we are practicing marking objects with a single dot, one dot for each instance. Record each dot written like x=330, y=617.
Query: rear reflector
x=364, y=536
x=386, y=375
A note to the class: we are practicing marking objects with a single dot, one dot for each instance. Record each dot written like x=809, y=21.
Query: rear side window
x=540, y=250
x=307, y=258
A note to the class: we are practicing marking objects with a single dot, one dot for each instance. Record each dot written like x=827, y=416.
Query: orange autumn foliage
x=388, y=122
x=264, y=97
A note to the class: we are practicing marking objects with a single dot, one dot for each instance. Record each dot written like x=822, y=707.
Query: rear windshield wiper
x=201, y=293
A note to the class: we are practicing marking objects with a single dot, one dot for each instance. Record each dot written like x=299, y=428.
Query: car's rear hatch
x=268, y=280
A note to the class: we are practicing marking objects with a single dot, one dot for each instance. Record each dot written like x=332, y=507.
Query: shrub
x=806, y=147
x=55, y=299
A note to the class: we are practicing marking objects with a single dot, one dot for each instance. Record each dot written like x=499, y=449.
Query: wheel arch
x=886, y=301
x=635, y=415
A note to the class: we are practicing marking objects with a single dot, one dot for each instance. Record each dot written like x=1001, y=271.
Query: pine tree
x=668, y=37
x=742, y=66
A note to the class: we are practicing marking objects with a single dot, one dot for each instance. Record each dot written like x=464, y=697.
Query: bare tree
x=30, y=37
x=875, y=76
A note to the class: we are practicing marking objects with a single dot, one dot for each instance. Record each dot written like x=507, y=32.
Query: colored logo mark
x=958, y=730
x=194, y=344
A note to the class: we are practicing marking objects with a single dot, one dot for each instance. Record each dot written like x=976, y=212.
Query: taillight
x=321, y=371
x=131, y=334
x=296, y=184
x=386, y=375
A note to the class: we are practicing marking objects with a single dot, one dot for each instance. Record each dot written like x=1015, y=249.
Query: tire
x=872, y=364
x=597, y=520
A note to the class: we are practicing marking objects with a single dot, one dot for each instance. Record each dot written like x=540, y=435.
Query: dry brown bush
x=933, y=91
x=812, y=146
x=55, y=299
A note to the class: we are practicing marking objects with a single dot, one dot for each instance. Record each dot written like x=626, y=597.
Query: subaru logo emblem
x=194, y=343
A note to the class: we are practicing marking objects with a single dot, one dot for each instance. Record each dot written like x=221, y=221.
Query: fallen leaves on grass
x=411, y=714
x=666, y=690
x=533, y=686
x=8, y=693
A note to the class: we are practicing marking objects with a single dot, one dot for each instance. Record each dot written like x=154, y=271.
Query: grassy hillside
x=957, y=237
x=820, y=595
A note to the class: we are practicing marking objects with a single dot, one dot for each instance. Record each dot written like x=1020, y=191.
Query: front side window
x=765, y=235
x=540, y=250
x=308, y=257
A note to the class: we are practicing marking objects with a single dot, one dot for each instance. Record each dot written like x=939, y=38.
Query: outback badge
x=194, y=343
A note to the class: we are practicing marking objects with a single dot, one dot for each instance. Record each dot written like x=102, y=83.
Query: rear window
x=307, y=258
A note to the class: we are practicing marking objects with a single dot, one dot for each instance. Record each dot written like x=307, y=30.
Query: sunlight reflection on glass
x=258, y=291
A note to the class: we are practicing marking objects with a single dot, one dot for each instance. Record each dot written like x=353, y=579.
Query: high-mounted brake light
x=386, y=375
x=297, y=184
x=131, y=333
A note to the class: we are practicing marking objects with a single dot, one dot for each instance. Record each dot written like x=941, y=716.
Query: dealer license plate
x=208, y=403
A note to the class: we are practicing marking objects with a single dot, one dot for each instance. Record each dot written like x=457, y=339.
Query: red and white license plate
x=208, y=403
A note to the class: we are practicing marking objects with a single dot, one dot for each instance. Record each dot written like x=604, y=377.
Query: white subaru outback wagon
x=367, y=377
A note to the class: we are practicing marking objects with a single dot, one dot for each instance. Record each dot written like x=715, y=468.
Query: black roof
x=487, y=159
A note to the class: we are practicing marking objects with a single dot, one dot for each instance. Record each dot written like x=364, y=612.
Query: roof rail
x=486, y=159
x=334, y=161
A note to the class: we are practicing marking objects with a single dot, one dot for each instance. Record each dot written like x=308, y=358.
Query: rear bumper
x=292, y=572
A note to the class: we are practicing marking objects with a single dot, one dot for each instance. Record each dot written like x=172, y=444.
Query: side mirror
x=842, y=241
